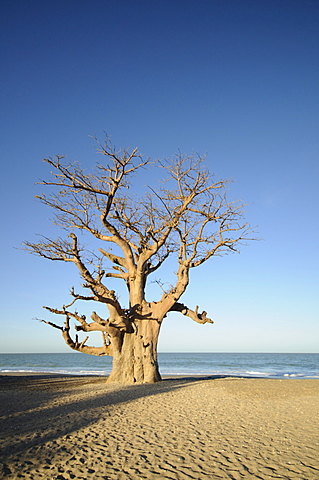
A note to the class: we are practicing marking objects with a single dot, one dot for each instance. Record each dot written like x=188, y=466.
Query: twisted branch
x=193, y=314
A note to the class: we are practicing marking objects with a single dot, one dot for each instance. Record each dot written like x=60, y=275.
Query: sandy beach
x=63, y=427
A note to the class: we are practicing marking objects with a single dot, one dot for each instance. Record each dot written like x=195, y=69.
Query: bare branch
x=80, y=346
x=193, y=314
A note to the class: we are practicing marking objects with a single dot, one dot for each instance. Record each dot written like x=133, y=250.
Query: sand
x=63, y=427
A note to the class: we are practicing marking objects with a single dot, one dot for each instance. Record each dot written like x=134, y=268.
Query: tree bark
x=136, y=360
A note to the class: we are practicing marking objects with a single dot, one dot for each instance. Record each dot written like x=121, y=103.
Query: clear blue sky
x=238, y=80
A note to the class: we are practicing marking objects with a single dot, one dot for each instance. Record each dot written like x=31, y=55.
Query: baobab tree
x=187, y=218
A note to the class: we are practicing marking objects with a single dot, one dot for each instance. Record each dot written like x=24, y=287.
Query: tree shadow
x=42, y=408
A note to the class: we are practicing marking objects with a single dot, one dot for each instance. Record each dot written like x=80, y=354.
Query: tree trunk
x=136, y=360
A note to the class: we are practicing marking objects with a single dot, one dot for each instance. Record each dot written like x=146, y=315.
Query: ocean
x=261, y=365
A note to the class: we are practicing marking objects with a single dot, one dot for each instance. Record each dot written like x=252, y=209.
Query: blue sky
x=237, y=80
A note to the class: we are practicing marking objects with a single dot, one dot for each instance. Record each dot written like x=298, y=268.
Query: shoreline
x=183, y=428
x=247, y=365
x=164, y=376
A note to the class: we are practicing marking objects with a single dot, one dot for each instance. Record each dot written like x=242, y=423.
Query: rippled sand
x=55, y=427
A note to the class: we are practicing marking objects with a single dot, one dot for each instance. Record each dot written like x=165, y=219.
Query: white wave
x=256, y=373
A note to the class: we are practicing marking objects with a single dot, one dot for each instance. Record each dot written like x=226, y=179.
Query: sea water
x=262, y=365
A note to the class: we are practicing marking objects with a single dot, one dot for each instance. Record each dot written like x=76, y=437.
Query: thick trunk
x=136, y=360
